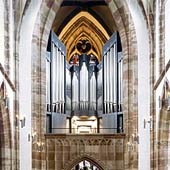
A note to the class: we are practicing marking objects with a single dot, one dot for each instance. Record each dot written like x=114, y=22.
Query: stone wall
x=48, y=11
x=63, y=152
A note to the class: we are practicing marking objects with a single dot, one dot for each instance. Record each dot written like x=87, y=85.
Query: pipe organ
x=110, y=80
x=83, y=86
x=58, y=75
x=112, y=76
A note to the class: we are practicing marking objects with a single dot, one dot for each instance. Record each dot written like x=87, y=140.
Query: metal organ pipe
x=53, y=76
x=58, y=79
x=120, y=84
x=75, y=92
x=110, y=70
x=111, y=79
x=114, y=81
x=105, y=80
x=48, y=83
x=108, y=80
x=93, y=92
x=87, y=89
x=62, y=82
x=83, y=87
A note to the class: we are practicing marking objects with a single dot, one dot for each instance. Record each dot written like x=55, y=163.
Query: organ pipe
x=84, y=87
x=115, y=71
x=56, y=77
x=105, y=80
x=47, y=82
x=58, y=86
x=87, y=89
x=111, y=78
x=58, y=63
x=59, y=66
x=75, y=90
x=62, y=82
x=53, y=74
x=93, y=92
x=120, y=84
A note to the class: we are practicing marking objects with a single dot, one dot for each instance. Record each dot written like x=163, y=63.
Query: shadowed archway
x=88, y=158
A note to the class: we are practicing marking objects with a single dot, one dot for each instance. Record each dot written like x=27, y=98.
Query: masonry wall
x=65, y=151
x=159, y=71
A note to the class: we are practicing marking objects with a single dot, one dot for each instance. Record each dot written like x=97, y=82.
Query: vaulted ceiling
x=81, y=24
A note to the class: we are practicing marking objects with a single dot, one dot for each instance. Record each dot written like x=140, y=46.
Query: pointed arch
x=164, y=126
x=98, y=163
x=47, y=13
x=5, y=132
x=84, y=25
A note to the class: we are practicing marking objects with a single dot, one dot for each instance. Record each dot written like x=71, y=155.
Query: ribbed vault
x=83, y=29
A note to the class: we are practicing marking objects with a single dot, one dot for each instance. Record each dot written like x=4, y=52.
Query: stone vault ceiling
x=94, y=24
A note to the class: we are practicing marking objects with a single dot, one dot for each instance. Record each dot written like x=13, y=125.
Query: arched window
x=85, y=165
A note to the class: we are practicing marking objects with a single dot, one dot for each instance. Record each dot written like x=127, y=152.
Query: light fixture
x=6, y=101
x=16, y=120
x=40, y=146
x=130, y=146
x=149, y=121
x=34, y=137
x=135, y=139
x=21, y=119
x=167, y=101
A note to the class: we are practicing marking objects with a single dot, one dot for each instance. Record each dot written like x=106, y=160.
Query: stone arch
x=44, y=20
x=5, y=132
x=87, y=157
x=163, y=129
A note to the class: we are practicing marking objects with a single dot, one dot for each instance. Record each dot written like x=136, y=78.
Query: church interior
x=84, y=85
